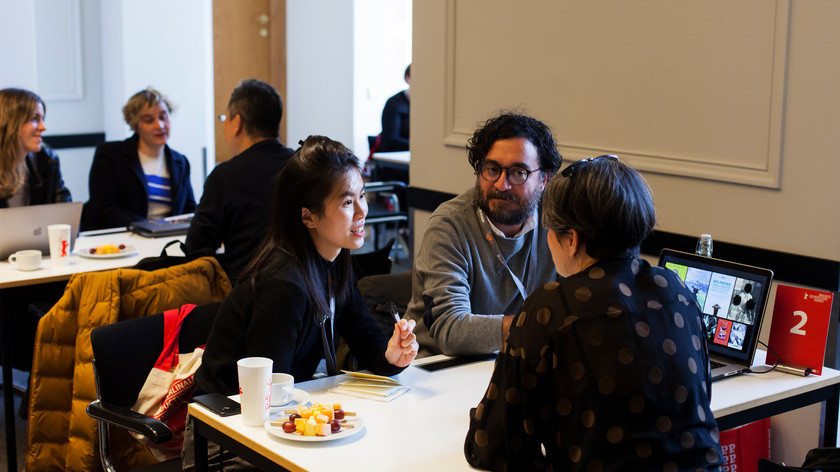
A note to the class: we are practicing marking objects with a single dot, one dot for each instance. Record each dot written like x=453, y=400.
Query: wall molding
x=58, y=48
x=70, y=141
x=760, y=166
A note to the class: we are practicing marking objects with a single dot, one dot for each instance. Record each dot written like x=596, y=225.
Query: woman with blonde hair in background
x=141, y=177
x=29, y=170
x=29, y=175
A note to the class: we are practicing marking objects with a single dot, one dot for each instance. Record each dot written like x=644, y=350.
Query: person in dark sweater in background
x=235, y=208
x=395, y=119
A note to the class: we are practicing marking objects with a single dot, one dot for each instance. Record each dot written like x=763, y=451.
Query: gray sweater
x=460, y=292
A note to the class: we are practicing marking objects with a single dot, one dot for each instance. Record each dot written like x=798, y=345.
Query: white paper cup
x=29, y=259
x=282, y=389
x=254, y=389
x=59, y=244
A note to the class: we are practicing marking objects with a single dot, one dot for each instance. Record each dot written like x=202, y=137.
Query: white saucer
x=301, y=397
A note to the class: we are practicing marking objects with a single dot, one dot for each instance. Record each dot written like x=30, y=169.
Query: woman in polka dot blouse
x=606, y=369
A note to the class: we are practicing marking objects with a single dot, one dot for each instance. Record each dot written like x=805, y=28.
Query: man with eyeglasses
x=235, y=207
x=484, y=251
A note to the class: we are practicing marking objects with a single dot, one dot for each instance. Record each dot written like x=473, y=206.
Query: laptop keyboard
x=715, y=364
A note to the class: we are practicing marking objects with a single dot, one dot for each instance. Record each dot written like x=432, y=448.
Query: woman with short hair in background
x=141, y=177
x=606, y=369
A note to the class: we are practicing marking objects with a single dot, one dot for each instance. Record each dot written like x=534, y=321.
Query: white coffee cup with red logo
x=254, y=389
x=59, y=236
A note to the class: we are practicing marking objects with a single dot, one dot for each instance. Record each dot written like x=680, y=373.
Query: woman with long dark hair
x=297, y=295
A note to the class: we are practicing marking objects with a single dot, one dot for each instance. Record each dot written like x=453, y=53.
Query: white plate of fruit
x=107, y=251
x=316, y=422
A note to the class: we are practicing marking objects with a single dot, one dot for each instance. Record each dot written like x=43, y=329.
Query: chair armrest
x=152, y=428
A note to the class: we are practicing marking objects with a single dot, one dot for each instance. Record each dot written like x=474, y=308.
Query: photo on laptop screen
x=732, y=297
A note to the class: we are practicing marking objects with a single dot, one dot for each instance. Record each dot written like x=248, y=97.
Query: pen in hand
x=394, y=312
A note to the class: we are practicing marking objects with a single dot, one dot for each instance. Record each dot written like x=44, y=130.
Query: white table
x=433, y=417
x=742, y=399
x=11, y=277
x=402, y=158
x=392, y=165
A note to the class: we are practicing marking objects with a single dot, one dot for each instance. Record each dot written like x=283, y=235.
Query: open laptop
x=26, y=227
x=732, y=297
x=161, y=227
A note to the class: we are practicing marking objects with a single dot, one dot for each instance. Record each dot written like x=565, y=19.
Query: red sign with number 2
x=800, y=326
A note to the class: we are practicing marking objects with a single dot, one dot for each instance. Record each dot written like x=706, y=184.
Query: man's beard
x=505, y=215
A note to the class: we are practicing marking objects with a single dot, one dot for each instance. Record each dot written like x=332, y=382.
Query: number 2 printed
x=797, y=329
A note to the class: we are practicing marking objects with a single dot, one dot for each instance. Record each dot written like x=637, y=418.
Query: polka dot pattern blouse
x=605, y=370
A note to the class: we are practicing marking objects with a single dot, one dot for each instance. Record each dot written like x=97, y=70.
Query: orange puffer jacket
x=61, y=436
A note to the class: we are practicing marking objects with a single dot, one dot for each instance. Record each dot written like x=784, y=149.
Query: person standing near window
x=395, y=119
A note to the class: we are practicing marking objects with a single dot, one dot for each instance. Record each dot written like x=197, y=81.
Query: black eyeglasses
x=570, y=171
x=515, y=175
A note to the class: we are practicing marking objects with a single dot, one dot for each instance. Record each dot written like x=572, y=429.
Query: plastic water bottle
x=704, y=245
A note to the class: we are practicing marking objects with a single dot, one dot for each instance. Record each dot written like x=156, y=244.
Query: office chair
x=373, y=263
x=124, y=353
x=381, y=215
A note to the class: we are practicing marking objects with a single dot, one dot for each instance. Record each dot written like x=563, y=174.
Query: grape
x=339, y=414
x=335, y=425
x=122, y=246
x=288, y=427
x=93, y=250
x=293, y=417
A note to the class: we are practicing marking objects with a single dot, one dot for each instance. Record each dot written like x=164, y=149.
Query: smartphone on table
x=218, y=404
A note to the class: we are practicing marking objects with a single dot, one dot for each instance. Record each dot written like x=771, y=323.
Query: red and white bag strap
x=172, y=321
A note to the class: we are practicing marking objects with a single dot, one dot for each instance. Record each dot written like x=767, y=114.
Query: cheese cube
x=323, y=429
x=309, y=428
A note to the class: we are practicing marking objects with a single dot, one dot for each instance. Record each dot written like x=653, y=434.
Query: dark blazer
x=395, y=124
x=235, y=208
x=118, y=193
x=45, y=182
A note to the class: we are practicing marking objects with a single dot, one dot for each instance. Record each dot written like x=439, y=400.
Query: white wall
x=17, y=34
x=382, y=47
x=319, y=39
x=344, y=59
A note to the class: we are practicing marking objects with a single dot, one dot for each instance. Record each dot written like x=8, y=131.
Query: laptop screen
x=732, y=297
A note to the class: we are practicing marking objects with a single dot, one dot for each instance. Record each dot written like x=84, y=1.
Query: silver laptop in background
x=26, y=227
x=733, y=298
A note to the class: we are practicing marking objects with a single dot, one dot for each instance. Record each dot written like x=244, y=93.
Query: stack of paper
x=374, y=387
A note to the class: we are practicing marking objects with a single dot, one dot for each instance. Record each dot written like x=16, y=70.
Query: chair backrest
x=125, y=352
x=373, y=263
x=379, y=291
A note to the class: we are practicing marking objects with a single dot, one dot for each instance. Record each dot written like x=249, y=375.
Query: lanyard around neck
x=531, y=264
x=329, y=350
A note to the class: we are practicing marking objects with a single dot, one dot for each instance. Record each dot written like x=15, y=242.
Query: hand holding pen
x=402, y=347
